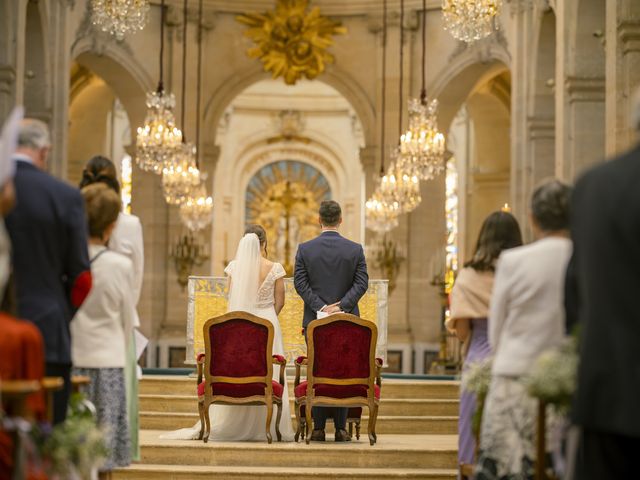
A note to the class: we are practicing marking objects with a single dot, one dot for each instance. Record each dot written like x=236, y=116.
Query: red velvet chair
x=238, y=368
x=341, y=369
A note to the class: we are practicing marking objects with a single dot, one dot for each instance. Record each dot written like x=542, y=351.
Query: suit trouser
x=320, y=414
x=60, y=397
x=604, y=456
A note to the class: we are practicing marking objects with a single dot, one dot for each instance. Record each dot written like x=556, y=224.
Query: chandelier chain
x=161, y=62
x=423, y=91
x=199, y=83
x=401, y=87
x=184, y=70
x=384, y=86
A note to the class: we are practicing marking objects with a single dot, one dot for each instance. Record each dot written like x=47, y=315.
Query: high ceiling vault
x=327, y=7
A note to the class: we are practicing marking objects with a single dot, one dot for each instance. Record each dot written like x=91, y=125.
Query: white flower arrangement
x=477, y=377
x=553, y=376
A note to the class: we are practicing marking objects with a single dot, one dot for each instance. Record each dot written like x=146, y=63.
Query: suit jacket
x=50, y=257
x=526, y=315
x=330, y=269
x=604, y=279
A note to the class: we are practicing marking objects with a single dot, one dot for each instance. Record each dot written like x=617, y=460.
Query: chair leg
x=278, y=417
x=309, y=422
x=358, y=429
x=351, y=428
x=201, y=414
x=207, y=431
x=298, y=423
x=269, y=415
x=373, y=413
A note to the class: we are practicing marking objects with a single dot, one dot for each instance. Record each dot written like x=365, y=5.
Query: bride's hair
x=260, y=233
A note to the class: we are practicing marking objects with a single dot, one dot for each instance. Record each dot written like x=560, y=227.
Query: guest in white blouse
x=526, y=317
x=126, y=239
x=101, y=328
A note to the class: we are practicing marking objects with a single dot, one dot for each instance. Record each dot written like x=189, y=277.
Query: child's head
x=103, y=206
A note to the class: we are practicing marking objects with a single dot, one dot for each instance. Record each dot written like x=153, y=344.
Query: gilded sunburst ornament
x=291, y=41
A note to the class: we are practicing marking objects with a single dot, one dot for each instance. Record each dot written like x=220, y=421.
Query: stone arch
x=121, y=72
x=453, y=85
x=233, y=85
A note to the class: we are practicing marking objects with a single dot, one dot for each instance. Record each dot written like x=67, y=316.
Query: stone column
x=623, y=73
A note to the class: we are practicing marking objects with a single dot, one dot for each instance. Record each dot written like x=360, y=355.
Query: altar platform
x=416, y=440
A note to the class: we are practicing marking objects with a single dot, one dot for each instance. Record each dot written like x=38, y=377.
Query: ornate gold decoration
x=388, y=260
x=284, y=198
x=208, y=299
x=188, y=252
x=291, y=41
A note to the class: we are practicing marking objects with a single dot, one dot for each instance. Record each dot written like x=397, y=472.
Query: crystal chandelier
x=398, y=186
x=422, y=145
x=197, y=210
x=380, y=215
x=119, y=17
x=180, y=175
x=158, y=139
x=470, y=20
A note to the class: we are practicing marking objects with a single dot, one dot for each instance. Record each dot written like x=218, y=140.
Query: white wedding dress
x=247, y=423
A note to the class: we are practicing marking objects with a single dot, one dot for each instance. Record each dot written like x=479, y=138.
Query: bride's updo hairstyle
x=260, y=233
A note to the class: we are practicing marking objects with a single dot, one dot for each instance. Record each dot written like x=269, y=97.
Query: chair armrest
x=200, y=362
x=280, y=360
x=379, y=363
x=298, y=363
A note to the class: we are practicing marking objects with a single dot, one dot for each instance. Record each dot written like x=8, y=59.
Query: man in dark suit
x=50, y=256
x=331, y=277
x=603, y=285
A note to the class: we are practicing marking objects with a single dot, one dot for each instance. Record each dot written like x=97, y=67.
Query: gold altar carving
x=208, y=298
x=284, y=198
x=291, y=41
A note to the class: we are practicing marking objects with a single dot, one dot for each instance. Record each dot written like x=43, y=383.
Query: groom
x=331, y=277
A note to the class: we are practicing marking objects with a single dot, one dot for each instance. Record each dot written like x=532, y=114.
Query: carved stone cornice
x=99, y=40
x=585, y=89
x=541, y=128
x=518, y=7
x=175, y=14
x=369, y=157
x=482, y=49
x=629, y=35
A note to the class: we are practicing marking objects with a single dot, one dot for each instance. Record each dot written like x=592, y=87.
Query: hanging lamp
x=399, y=186
x=120, y=17
x=197, y=210
x=159, y=138
x=422, y=146
x=180, y=173
x=382, y=216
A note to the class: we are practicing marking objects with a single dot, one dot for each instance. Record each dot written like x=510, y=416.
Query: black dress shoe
x=317, y=436
x=342, y=436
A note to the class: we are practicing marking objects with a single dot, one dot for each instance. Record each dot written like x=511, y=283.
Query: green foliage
x=76, y=446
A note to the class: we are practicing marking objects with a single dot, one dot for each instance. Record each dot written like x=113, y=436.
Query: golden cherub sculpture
x=291, y=41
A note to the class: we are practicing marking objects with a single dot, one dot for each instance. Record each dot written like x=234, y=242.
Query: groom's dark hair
x=330, y=213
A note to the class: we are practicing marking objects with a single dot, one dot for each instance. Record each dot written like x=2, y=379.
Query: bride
x=256, y=286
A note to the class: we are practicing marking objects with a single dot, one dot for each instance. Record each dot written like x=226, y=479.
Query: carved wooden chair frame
x=374, y=375
x=268, y=399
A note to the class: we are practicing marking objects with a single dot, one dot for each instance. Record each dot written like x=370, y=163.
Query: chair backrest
x=341, y=350
x=238, y=348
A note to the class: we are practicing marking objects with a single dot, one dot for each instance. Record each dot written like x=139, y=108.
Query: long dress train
x=247, y=423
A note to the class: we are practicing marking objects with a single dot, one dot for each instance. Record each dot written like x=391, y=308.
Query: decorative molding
x=482, y=49
x=175, y=14
x=585, y=89
x=369, y=157
x=517, y=7
x=541, y=128
x=100, y=41
x=289, y=153
x=629, y=34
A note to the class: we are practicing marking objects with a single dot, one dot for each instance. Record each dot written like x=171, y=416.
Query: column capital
x=585, y=89
x=629, y=34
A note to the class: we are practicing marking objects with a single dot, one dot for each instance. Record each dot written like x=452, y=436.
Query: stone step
x=391, y=406
x=180, y=472
x=392, y=388
x=390, y=452
x=151, y=420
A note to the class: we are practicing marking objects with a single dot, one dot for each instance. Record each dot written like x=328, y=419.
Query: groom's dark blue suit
x=330, y=269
